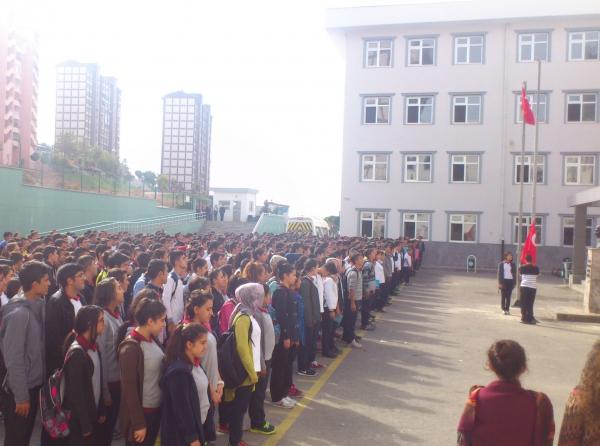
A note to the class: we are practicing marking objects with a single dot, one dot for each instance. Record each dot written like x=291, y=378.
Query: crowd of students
x=178, y=336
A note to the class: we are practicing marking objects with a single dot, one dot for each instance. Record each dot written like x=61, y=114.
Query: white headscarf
x=250, y=297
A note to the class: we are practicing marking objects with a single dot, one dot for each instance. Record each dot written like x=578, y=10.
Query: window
x=377, y=110
x=525, y=223
x=463, y=228
x=533, y=46
x=581, y=107
x=415, y=225
x=583, y=45
x=374, y=167
x=579, y=170
x=568, y=224
x=419, y=110
x=372, y=224
x=465, y=168
x=466, y=109
x=527, y=169
x=468, y=49
x=421, y=52
x=378, y=53
x=540, y=113
x=417, y=168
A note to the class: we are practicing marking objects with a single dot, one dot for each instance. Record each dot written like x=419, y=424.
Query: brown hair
x=507, y=359
x=253, y=271
x=590, y=382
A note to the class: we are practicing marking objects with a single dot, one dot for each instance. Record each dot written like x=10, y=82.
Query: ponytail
x=198, y=298
x=183, y=334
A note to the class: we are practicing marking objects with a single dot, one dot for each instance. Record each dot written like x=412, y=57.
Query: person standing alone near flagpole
x=507, y=274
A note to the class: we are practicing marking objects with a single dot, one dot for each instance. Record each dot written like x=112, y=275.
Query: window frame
x=377, y=105
x=463, y=214
x=579, y=165
x=581, y=103
x=373, y=212
x=468, y=46
x=416, y=221
x=564, y=226
x=417, y=163
x=540, y=234
x=533, y=33
x=421, y=47
x=529, y=164
x=532, y=98
x=466, y=96
x=374, y=163
x=465, y=164
x=378, y=50
x=583, y=41
x=419, y=97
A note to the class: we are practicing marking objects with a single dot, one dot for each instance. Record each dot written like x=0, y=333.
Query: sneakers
x=285, y=403
x=369, y=327
x=295, y=391
x=506, y=313
x=308, y=372
x=266, y=429
x=355, y=344
x=223, y=428
x=316, y=365
x=241, y=443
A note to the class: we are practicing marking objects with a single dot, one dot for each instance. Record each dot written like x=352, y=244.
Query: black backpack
x=231, y=369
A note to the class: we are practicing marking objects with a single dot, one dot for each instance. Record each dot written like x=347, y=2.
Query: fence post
x=99, y=177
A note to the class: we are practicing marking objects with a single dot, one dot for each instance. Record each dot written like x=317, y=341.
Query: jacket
x=79, y=391
x=218, y=301
x=243, y=342
x=312, y=305
x=513, y=270
x=21, y=335
x=60, y=320
x=287, y=313
x=388, y=265
x=180, y=421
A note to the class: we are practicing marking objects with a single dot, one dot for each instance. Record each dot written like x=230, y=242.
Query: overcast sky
x=269, y=69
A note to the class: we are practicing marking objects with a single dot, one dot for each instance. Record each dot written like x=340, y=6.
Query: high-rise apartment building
x=186, y=141
x=88, y=106
x=432, y=124
x=18, y=97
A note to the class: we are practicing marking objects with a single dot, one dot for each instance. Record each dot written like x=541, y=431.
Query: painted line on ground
x=309, y=395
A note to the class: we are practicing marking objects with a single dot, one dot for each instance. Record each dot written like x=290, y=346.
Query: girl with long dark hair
x=83, y=378
x=181, y=423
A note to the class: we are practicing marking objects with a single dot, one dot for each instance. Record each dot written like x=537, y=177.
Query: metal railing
x=146, y=225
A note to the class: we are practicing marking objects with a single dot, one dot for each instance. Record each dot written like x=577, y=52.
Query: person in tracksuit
x=507, y=277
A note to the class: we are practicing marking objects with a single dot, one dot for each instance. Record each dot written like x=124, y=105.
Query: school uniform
x=529, y=275
x=507, y=276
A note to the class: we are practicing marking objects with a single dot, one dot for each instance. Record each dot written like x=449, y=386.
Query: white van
x=308, y=225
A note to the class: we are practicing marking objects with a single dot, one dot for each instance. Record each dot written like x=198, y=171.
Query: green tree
x=334, y=223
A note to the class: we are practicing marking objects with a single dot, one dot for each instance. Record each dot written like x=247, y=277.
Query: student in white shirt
x=380, y=295
x=330, y=292
x=172, y=297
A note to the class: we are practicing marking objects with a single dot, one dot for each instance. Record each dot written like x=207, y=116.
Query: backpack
x=231, y=369
x=55, y=419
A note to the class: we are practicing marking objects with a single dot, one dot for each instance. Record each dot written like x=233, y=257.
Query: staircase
x=223, y=227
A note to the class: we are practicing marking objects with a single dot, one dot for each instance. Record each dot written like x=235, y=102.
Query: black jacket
x=513, y=270
x=180, y=422
x=218, y=301
x=79, y=391
x=312, y=304
x=287, y=313
x=60, y=320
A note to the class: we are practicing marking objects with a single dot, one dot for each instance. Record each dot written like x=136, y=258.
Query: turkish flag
x=530, y=248
x=526, y=108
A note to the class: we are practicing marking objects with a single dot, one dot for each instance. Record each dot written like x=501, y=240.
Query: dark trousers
x=327, y=330
x=76, y=437
x=405, y=275
x=506, y=292
x=281, y=372
x=349, y=322
x=152, y=426
x=257, y=402
x=365, y=311
x=210, y=431
x=17, y=429
x=395, y=280
x=237, y=409
x=527, y=301
x=223, y=413
x=308, y=350
x=105, y=430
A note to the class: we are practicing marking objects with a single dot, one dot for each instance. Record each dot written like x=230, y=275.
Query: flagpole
x=520, y=218
x=535, y=144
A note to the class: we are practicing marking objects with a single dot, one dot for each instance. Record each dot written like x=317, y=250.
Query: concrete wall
x=23, y=208
x=497, y=138
x=245, y=199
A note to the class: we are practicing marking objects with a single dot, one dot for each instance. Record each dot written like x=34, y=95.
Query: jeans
x=506, y=292
x=308, y=351
x=257, y=402
x=18, y=429
x=237, y=409
x=349, y=322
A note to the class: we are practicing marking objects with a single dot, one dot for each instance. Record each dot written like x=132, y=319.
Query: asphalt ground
x=408, y=384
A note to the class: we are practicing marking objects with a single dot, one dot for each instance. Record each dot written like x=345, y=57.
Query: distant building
x=18, y=97
x=239, y=203
x=432, y=123
x=185, y=158
x=88, y=106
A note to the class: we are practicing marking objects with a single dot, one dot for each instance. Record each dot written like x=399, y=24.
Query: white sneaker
x=283, y=404
x=355, y=344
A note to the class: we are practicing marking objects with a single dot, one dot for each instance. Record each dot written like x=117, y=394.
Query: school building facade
x=432, y=123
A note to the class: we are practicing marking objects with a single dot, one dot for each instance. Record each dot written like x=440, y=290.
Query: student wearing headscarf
x=250, y=298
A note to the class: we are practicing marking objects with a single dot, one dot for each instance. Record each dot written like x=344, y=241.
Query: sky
x=271, y=72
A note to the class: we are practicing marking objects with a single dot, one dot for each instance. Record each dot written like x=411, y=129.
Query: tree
x=149, y=178
x=334, y=223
